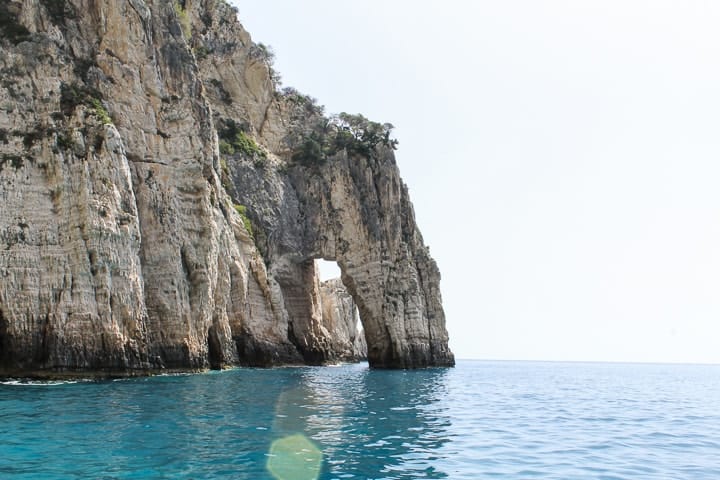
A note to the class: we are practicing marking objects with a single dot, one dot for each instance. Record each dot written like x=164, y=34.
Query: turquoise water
x=480, y=420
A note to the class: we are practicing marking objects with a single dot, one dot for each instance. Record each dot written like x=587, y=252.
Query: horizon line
x=618, y=362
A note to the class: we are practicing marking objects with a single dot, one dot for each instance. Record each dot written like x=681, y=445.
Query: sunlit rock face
x=154, y=217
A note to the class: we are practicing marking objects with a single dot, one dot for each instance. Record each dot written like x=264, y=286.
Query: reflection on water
x=352, y=411
x=344, y=422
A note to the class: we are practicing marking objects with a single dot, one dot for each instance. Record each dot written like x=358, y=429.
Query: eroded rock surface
x=341, y=319
x=133, y=238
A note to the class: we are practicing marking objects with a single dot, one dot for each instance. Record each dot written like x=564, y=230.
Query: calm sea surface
x=480, y=420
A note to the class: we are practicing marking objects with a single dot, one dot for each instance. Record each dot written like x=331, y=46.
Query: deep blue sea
x=514, y=420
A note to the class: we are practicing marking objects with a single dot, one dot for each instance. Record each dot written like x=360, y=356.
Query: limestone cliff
x=157, y=213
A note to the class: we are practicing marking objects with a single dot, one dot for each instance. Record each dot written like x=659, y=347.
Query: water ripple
x=479, y=420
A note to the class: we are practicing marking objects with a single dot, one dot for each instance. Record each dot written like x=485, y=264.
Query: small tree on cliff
x=354, y=134
x=359, y=135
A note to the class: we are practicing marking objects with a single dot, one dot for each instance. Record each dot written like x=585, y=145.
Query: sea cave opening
x=329, y=271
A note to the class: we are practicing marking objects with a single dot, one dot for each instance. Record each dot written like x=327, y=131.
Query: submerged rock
x=157, y=213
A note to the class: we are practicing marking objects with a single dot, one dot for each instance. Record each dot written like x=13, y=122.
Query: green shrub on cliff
x=247, y=145
x=100, y=111
x=233, y=139
x=75, y=94
x=354, y=134
x=183, y=19
x=310, y=104
x=360, y=135
x=242, y=211
x=310, y=152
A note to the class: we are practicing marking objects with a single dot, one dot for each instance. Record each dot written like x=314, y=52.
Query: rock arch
x=353, y=210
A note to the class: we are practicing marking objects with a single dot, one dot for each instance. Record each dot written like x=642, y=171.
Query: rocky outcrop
x=154, y=216
x=341, y=320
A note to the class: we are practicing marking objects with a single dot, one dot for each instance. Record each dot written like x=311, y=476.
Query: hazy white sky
x=563, y=158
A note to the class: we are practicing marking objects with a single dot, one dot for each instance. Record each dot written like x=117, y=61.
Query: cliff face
x=156, y=215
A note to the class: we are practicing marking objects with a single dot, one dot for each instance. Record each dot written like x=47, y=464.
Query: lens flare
x=294, y=458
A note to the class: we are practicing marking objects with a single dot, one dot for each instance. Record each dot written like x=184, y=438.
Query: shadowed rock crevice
x=215, y=354
x=5, y=343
